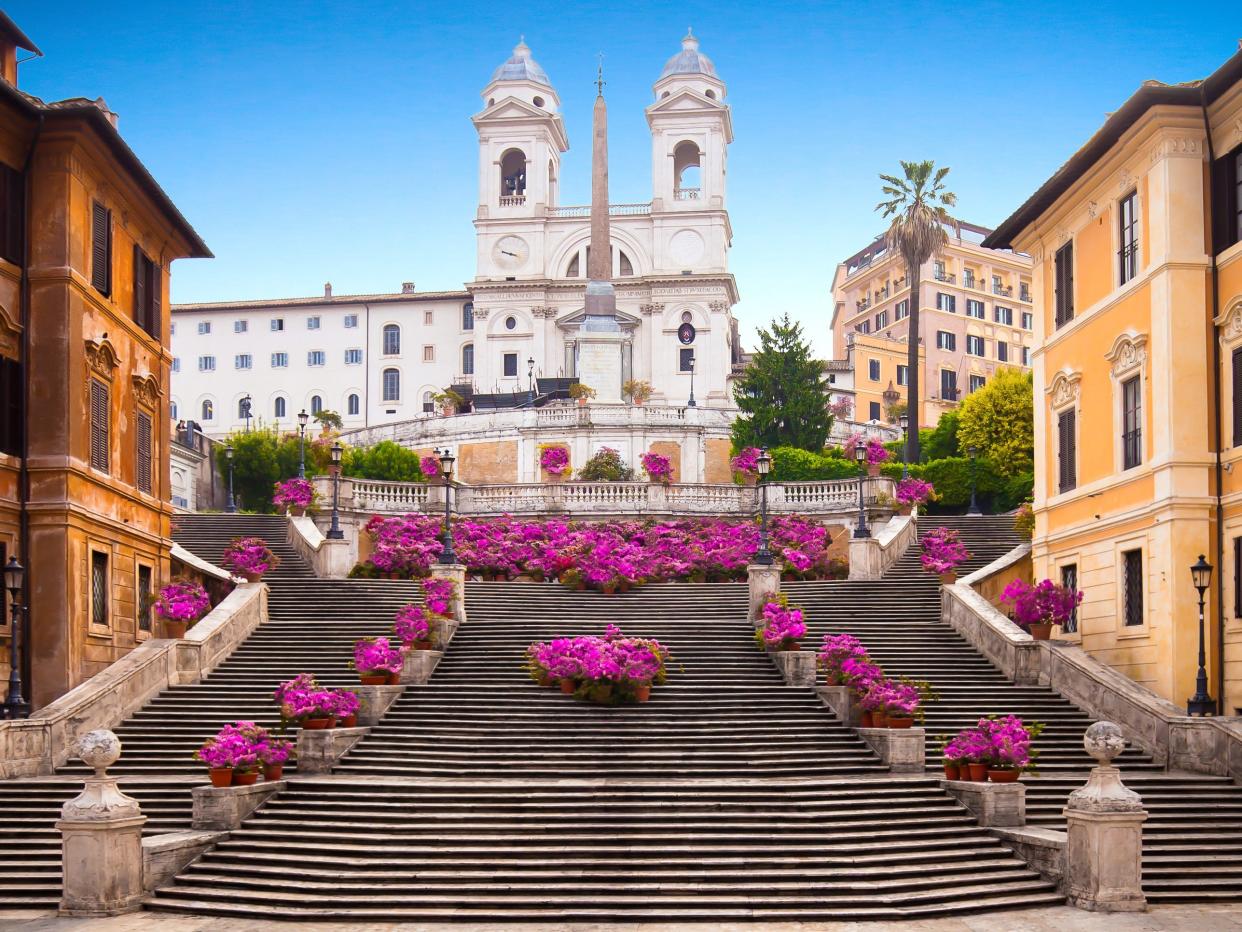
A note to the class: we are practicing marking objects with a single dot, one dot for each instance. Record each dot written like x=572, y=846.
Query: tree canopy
x=998, y=420
x=782, y=393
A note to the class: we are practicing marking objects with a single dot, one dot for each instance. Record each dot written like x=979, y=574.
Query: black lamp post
x=530, y=376
x=447, y=556
x=763, y=556
x=303, y=420
x=691, y=403
x=1201, y=703
x=335, y=532
x=231, y=507
x=15, y=704
x=904, y=421
x=974, y=502
x=245, y=404
x=860, y=454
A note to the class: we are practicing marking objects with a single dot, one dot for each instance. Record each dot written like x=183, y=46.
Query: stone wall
x=671, y=449
x=488, y=462
x=717, y=453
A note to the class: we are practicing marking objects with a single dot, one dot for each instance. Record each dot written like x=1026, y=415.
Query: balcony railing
x=1024, y=294
x=686, y=194
x=614, y=210
x=1005, y=291
x=863, y=304
x=512, y=200
x=881, y=293
x=947, y=277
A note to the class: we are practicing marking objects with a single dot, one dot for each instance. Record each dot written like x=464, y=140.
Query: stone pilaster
x=995, y=805
x=903, y=750
x=374, y=701
x=796, y=666
x=765, y=581
x=224, y=808
x=418, y=667
x=844, y=703
x=320, y=749
x=456, y=573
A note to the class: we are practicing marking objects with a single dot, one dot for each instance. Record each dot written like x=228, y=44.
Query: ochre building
x=1137, y=249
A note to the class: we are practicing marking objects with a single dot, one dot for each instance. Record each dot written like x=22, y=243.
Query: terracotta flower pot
x=349, y=721
x=424, y=644
x=868, y=720
x=253, y=577
x=248, y=778
x=297, y=510
x=1005, y=775
x=568, y=686
x=175, y=629
x=394, y=679
x=642, y=693
x=316, y=724
x=949, y=578
x=879, y=719
x=373, y=679
x=978, y=772
x=1041, y=631
x=951, y=771
x=750, y=480
x=273, y=772
x=221, y=776
x=790, y=645
x=900, y=721
x=873, y=469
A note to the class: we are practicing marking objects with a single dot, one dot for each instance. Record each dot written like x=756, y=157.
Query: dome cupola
x=689, y=60
x=521, y=67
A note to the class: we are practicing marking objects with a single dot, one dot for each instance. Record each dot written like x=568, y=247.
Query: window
x=968, y=278
x=1132, y=587
x=1028, y=320
x=467, y=316
x=1026, y=355
x=99, y=588
x=510, y=323
x=427, y=318
x=352, y=406
x=204, y=327
x=1227, y=200
x=902, y=311
x=874, y=411
x=1003, y=315
x=101, y=248
x=946, y=302
x=316, y=404
x=1131, y=422
x=176, y=364
x=873, y=370
x=312, y=323
x=353, y=357
x=977, y=382
x=1063, y=281
x=392, y=340
x=241, y=326
x=510, y=364
x=948, y=384
x=429, y=354
x=243, y=408
x=280, y=360
x=903, y=375
x=975, y=309
x=467, y=359
x=144, y=456
x=206, y=363
x=946, y=340
x=278, y=323
x=11, y=407
x=12, y=213
x=864, y=327
x=146, y=597
x=392, y=385
x=1127, y=255
x=429, y=403
x=148, y=293
x=938, y=270
x=1067, y=450
x=242, y=361
x=685, y=359
x=881, y=320
x=1069, y=579
x=101, y=425
x=1002, y=351
x=975, y=345
x=351, y=321
x=279, y=407
x=208, y=411
x=1236, y=361
x=315, y=357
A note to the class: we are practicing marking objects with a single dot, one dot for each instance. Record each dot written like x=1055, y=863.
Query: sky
x=314, y=142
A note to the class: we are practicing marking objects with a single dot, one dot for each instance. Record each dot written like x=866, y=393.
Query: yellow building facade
x=880, y=365
x=1137, y=286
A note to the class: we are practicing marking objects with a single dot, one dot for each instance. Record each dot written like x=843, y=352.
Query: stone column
x=455, y=573
x=765, y=581
x=101, y=839
x=1104, y=833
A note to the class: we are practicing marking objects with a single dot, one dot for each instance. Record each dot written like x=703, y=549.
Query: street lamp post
x=447, y=556
x=231, y=507
x=904, y=420
x=860, y=454
x=691, y=403
x=1201, y=703
x=530, y=376
x=303, y=420
x=974, y=502
x=763, y=556
x=335, y=532
x=245, y=407
x=15, y=705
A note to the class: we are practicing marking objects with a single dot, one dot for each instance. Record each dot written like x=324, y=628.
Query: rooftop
x=689, y=60
x=521, y=67
x=321, y=300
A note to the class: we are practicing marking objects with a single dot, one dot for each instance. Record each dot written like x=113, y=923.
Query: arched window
x=467, y=359
x=243, y=408
x=627, y=267
x=316, y=404
x=551, y=184
x=392, y=385
x=512, y=177
x=467, y=316
x=352, y=405
x=429, y=403
x=209, y=411
x=686, y=161
x=172, y=410
x=278, y=407
x=575, y=267
x=392, y=340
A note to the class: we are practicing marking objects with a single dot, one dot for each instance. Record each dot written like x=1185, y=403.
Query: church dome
x=521, y=67
x=689, y=60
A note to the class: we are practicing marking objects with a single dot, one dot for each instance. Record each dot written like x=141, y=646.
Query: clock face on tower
x=511, y=252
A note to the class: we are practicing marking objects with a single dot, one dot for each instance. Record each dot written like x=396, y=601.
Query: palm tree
x=917, y=205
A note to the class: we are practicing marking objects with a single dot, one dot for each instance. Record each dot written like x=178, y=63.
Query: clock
x=511, y=252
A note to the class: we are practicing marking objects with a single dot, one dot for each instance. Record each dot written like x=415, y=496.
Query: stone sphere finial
x=1104, y=741
x=99, y=749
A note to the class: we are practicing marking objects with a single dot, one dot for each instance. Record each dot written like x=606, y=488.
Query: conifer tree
x=782, y=393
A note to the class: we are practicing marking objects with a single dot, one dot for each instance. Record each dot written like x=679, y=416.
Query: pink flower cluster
x=554, y=460
x=841, y=409
x=438, y=595
x=302, y=697
x=416, y=622
x=1000, y=742
x=845, y=662
x=656, y=465
x=298, y=493
x=746, y=462
x=782, y=627
x=876, y=453
x=1044, y=603
x=183, y=600
x=913, y=491
x=243, y=746
x=377, y=655
x=894, y=697
x=592, y=660
x=943, y=551
x=250, y=555
x=430, y=466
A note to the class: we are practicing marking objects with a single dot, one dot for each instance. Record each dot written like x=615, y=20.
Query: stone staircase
x=208, y=536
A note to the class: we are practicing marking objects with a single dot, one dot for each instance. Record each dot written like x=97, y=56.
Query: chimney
x=407, y=287
x=110, y=114
x=327, y=289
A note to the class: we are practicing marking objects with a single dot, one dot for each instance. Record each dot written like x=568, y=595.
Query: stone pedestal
x=1104, y=833
x=418, y=667
x=844, y=703
x=224, y=808
x=101, y=839
x=902, y=749
x=765, y=582
x=320, y=749
x=995, y=805
x=866, y=558
x=374, y=701
x=444, y=630
x=456, y=573
x=796, y=666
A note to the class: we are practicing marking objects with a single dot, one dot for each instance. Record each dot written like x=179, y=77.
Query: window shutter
x=13, y=195
x=99, y=425
x=1237, y=577
x=1237, y=397
x=1067, y=449
x=1069, y=281
x=140, y=288
x=155, y=295
x=10, y=407
x=144, y=453
x=101, y=248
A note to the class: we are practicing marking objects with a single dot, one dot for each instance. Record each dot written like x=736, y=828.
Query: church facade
x=382, y=359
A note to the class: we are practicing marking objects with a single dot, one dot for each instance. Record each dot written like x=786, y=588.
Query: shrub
x=790, y=464
x=606, y=466
x=385, y=460
x=999, y=421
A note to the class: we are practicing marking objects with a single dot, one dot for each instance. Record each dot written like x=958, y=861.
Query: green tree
x=998, y=420
x=256, y=468
x=916, y=203
x=940, y=441
x=385, y=460
x=782, y=393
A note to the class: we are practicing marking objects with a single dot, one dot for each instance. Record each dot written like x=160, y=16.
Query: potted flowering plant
x=1037, y=608
x=782, y=627
x=912, y=492
x=438, y=596
x=449, y=401
x=294, y=495
x=414, y=627
x=222, y=754
x=345, y=707
x=943, y=553
x=609, y=670
x=1024, y=521
x=250, y=557
x=876, y=456
x=997, y=748
x=580, y=392
x=429, y=466
x=746, y=466
x=554, y=461
x=638, y=390
x=897, y=703
x=273, y=753
x=181, y=603
x=377, y=661
x=304, y=701
x=657, y=466
x=845, y=662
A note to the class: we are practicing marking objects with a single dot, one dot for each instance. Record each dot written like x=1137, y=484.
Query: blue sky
x=313, y=142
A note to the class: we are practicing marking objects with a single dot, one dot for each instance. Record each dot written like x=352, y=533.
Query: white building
x=379, y=359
